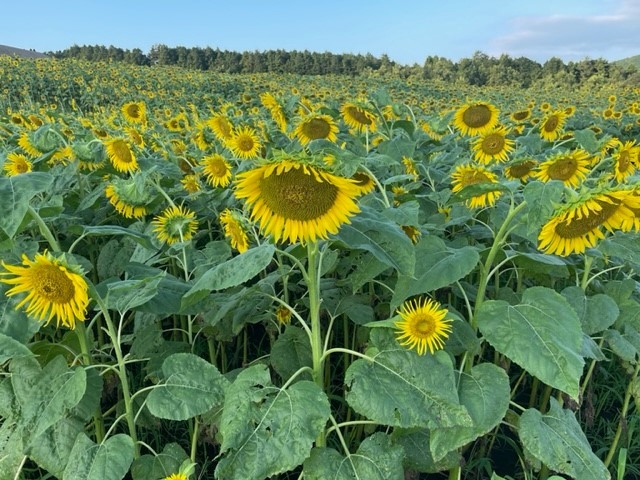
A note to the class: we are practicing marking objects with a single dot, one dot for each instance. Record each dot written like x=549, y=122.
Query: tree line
x=480, y=70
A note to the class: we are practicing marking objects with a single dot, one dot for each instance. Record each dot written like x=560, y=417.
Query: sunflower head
x=423, y=325
x=129, y=196
x=245, y=143
x=234, y=231
x=221, y=126
x=520, y=115
x=520, y=170
x=283, y=315
x=134, y=112
x=476, y=118
x=552, y=125
x=293, y=200
x=467, y=175
x=624, y=161
x=175, y=224
x=17, y=164
x=53, y=288
x=358, y=117
x=316, y=127
x=217, y=170
x=570, y=167
x=121, y=155
x=493, y=145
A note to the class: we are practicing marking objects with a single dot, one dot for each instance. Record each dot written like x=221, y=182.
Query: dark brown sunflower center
x=217, y=168
x=582, y=226
x=522, y=115
x=359, y=116
x=133, y=110
x=551, y=123
x=493, y=144
x=472, y=178
x=522, y=169
x=424, y=325
x=624, y=161
x=316, y=128
x=21, y=166
x=121, y=151
x=52, y=283
x=476, y=116
x=361, y=179
x=296, y=195
x=244, y=143
x=563, y=169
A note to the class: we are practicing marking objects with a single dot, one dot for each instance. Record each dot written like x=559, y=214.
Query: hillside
x=20, y=52
x=629, y=62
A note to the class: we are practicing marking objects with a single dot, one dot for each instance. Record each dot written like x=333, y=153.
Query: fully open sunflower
x=217, y=170
x=467, y=175
x=175, y=224
x=624, y=161
x=580, y=225
x=492, y=145
x=316, y=127
x=551, y=126
x=476, y=118
x=520, y=170
x=121, y=155
x=244, y=143
x=293, y=201
x=53, y=288
x=25, y=142
x=16, y=164
x=234, y=231
x=423, y=326
x=134, y=112
x=569, y=167
x=221, y=126
x=521, y=115
x=358, y=117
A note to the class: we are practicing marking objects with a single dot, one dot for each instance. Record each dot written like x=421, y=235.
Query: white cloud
x=574, y=37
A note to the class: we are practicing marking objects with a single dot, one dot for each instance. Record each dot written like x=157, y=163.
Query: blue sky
x=407, y=31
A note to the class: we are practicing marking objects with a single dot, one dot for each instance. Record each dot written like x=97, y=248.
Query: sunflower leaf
x=596, y=313
x=557, y=440
x=109, y=460
x=15, y=194
x=10, y=348
x=542, y=334
x=397, y=387
x=377, y=458
x=417, y=451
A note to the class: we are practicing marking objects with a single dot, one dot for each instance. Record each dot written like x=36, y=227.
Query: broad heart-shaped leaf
x=51, y=450
x=417, y=451
x=625, y=246
x=557, y=440
x=542, y=334
x=231, y=273
x=383, y=238
x=437, y=266
x=541, y=198
x=150, y=467
x=125, y=295
x=485, y=392
x=111, y=230
x=596, y=313
x=10, y=348
x=290, y=352
x=377, y=458
x=402, y=389
x=191, y=387
x=108, y=461
x=267, y=430
x=15, y=194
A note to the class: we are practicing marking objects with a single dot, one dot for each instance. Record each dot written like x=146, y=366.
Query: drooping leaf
x=417, y=451
x=596, y=313
x=15, y=194
x=51, y=449
x=125, y=295
x=557, y=440
x=109, y=460
x=150, y=467
x=542, y=334
x=10, y=348
x=290, y=352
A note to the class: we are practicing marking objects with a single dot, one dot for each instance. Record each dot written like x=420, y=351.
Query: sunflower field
x=218, y=276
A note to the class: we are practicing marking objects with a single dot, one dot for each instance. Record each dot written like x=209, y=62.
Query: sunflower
x=176, y=476
x=121, y=156
x=54, y=289
x=293, y=201
x=358, y=117
x=134, y=112
x=520, y=170
x=27, y=145
x=16, y=164
x=129, y=197
x=545, y=106
x=476, y=118
x=521, y=115
x=624, y=160
x=410, y=167
x=579, y=226
x=221, y=127
x=570, y=167
x=363, y=182
x=191, y=183
x=203, y=137
x=175, y=224
x=423, y=325
x=552, y=124
x=315, y=127
x=283, y=315
x=234, y=231
x=245, y=143
x=275, y=109
x=217, y=170
x=135, y=136
x=412, y=232
x=492, y=145
x=467, y=175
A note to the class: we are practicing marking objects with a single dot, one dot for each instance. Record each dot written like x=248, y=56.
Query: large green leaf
x=15, y=194
x=596, y=313
x=402, y=389
x=115, y=230
x=557, y=440
x=267, y=430
x=437, y=266
x=485, y=392
x=10, y=348
x=125, y=295
x=377, y=458
x=542, y=334
x=417, y=451
x=191, y=386
x=542, y=198
x=51, y=449
x=625, y=246
x=231, y=273
x=109, y=460
x=381, y=237
x=152, y=467
x=291, y=351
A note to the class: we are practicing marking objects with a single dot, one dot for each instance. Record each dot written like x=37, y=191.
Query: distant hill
x=20, y=52
x=629, y=62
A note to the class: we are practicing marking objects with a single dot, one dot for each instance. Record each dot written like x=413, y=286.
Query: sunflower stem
x=385, y=199
x=588, y=261
x=122, y=371
x=98, y=421
x=313, y=285
x=44, y=230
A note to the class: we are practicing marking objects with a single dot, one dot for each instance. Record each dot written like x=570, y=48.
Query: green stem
x=314, y=314
x=194, y=439
x=44, y=230
x=454, y=473
x=623, y=416
x=98, y=421
x=122, y=371
x=385, y=199
x=588, y=261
